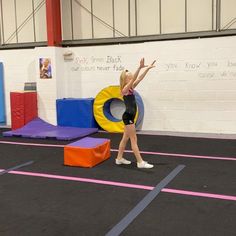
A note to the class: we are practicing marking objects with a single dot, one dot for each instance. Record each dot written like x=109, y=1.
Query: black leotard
x=131, y=109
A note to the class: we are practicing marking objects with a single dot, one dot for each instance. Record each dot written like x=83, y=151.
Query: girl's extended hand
x=151, y=65
x=142, y=65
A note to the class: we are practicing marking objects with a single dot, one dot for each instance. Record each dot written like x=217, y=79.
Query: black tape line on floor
x=16, y=167
x=123, y=224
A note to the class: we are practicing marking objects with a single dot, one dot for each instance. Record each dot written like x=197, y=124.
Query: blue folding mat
x=76, y=112
x=38, y=128
x=2, y=106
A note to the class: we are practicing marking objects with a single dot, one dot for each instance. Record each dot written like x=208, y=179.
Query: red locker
x=23, y=108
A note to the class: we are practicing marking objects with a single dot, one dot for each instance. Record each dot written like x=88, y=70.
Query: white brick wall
x=192, y=88
x=19, y=67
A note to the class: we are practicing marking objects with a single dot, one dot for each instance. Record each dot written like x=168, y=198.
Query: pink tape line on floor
x=126, y=185
x=142, y=152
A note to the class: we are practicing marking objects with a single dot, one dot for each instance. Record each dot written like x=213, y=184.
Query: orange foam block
x=87, y=152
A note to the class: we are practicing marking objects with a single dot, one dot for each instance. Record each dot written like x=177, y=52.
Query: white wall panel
x=199, y=15
x=103, y=10
x=40, y=21
x=9, y=25
x=173, y=16
x=132, y=18
x=121, y=17
x=66, y=19
x=24, y=21
x=228, y=15
x=148, y=17
x=82, y=24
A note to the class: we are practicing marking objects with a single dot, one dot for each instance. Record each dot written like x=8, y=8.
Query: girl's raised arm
x=141, y=77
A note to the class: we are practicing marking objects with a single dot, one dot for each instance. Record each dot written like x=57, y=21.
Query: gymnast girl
x=128, y=82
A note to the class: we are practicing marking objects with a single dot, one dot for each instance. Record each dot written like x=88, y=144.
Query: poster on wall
x=45, y=68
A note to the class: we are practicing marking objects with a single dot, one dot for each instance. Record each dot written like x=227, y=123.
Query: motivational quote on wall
x=107, y=63
x=222, y=69
x=212, y=69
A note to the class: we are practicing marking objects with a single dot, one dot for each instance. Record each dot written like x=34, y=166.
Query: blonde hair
x=122, y=79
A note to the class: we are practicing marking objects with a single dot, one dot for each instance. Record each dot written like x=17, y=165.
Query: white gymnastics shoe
x=145, y=165
x=122, y=161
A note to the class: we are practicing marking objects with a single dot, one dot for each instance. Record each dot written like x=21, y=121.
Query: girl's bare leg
x=122, y=145
x=133, y=138
x=131, y=131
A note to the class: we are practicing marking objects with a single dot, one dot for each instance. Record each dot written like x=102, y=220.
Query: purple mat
x=38, y=128
x=88, y=142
